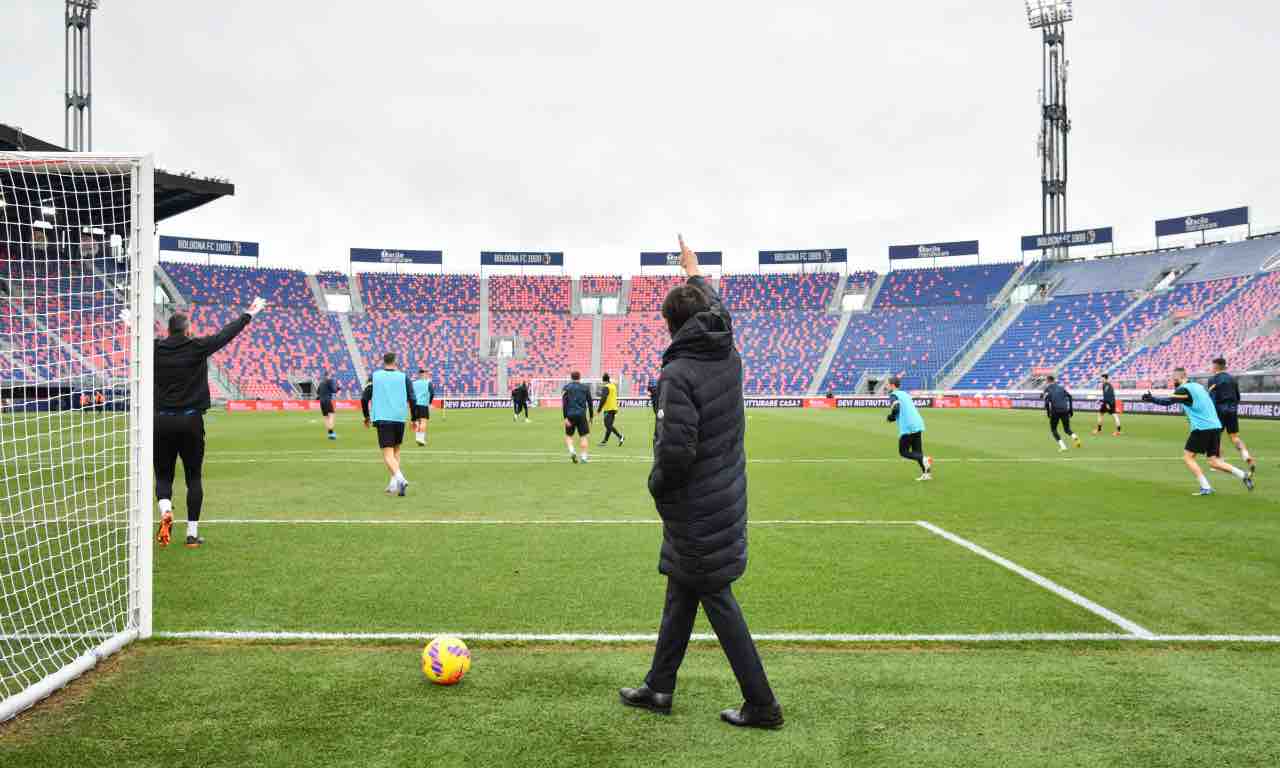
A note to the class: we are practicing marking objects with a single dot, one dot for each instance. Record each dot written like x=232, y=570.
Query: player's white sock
x=585, y=456
x=1062, y=445
x=1204, y=483
x=166, y=506
x=193, y=528
x=1239, y=473
x=399, y=478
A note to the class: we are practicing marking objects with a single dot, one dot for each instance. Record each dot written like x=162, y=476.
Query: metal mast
x=77, y=119
x=1050, y=17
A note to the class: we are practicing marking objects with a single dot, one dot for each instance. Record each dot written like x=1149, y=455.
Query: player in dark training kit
x=325, y=392
x=1226, y=401
x=910, y=428
x=1060, y=408
x=520, y=401
x=578, y=414
x=1108, y=406
x=387, y=404
x=609, y=407
x=182, y=397
x=1206, y=430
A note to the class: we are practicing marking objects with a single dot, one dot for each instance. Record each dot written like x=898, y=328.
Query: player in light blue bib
x=1206, y=430
x=910, y=428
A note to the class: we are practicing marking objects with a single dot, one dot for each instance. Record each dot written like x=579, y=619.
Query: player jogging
x=422, y=396
x=182, y=397
x=1226, y=400
x=1060, y=408
x=387, y=403
x=578, y=413
x=325, y=391
x=1206, y=430
x=609, y=407
x=910, y=428
x=1108, y=406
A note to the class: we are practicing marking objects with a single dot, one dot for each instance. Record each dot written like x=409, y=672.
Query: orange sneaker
x=165, y=534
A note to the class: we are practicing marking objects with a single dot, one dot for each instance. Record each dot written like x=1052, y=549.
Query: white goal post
x=77, y=294
x=541, y=388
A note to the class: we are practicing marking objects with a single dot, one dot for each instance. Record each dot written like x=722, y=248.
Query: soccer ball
x=445, y=660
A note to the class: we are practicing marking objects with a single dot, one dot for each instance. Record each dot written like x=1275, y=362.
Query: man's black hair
x=422, y=370
x=895, y=381
x=1050, y=378
x=1221, y=362
x=575, y=375
x=604, y=377
x=389, y=358
x=683, y=302
x=178, y=324
x=1105, y=376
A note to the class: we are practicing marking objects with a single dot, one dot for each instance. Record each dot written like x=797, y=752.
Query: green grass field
x=889, y=642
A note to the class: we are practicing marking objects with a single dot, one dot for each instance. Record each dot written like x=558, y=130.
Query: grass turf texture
x=1114, y=521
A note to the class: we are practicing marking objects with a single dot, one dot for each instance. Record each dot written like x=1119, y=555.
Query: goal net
x=76, y=341
x=550, y=389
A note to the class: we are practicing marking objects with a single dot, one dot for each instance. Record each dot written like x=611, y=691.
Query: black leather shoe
x=644, y=698
x=749, y=716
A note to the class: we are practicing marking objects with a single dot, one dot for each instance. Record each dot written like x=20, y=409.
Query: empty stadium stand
x=420, y=293
x=913, y=342
x=976, y=284
x=511, y=293
x=445, y=344
x=812, y=291
x=205, y=284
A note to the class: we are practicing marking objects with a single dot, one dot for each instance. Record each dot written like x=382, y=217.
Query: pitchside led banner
x=1232, y=217
x=672, y=258
x=522, y=258
x=204, y=245
x=933, y=250
x=1067, y=239
x=819, y=256
x=396, y=256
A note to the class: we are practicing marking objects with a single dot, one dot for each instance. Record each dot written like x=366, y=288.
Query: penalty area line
x=1131, y=627
x=766, y=637
x=489, y=521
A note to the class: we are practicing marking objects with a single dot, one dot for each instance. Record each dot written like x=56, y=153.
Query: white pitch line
x=1059, y=590
x=778, y=637
x=490, y=521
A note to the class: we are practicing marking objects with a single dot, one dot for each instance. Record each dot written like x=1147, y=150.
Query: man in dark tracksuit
x=182, y=397
x=653, y=395
x=699, y=483
x=326, y=391
x=578, y=414
x=1060, y=408
x=1108, y=406
x=520, y=401
x=1226, y=401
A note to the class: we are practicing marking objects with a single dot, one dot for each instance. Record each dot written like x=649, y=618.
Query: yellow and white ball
x=445, y=660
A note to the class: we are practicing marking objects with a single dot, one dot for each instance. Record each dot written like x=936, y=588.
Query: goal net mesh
x=74, y=557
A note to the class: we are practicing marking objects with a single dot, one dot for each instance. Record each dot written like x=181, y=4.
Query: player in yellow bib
x=609, y=407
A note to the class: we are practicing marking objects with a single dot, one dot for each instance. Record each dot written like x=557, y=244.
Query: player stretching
x=910, y=428
x=609, y=407
x=1226, y=400
x=520, y=401
x=327, y=389
x=1060, y=408
x=1108, y=406
x=422, y=396
x=578, y=413
x=391, y=394
x=1206, y=430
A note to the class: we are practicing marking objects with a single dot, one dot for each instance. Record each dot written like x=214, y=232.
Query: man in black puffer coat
x=699, y=483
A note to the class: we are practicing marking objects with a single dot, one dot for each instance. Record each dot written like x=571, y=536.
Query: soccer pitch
x=1024, y=608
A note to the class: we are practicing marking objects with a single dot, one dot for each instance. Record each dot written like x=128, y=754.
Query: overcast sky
x=601, y=130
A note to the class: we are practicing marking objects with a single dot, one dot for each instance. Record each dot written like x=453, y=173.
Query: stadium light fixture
x=1047, y=13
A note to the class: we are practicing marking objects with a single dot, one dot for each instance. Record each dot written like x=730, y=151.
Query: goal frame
x=141, y=324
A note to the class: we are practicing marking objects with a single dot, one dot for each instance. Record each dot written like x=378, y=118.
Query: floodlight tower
x=77, y=117
x=1050, y=17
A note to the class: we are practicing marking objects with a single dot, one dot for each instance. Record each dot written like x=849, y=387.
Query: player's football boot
x=621, y=440
x=1253, y=464
x=573, y=457
x=924, y=477
x=1116, y=433
x=1248, y=481
x=402, y=487
x=194, y=541
x=1203, y=492
x=165, y=534
x=928, y=465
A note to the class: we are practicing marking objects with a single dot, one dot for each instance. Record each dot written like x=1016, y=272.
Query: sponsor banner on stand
x=1097, y=236
x=933, y=250
x=396, y=256
x=672, y=258
x=1199, y=222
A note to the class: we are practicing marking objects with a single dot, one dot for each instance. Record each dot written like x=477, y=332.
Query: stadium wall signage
x=1096, y=236
x=819, y=256
x=672, y=258
x=396, y=256
x=1199, y=222
x=522, y=258
x=204, y=245
x=933, y=250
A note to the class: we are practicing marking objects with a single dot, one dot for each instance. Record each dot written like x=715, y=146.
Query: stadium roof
x=175, y=193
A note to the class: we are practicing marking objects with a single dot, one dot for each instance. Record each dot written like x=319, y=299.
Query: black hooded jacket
x=699, y=475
